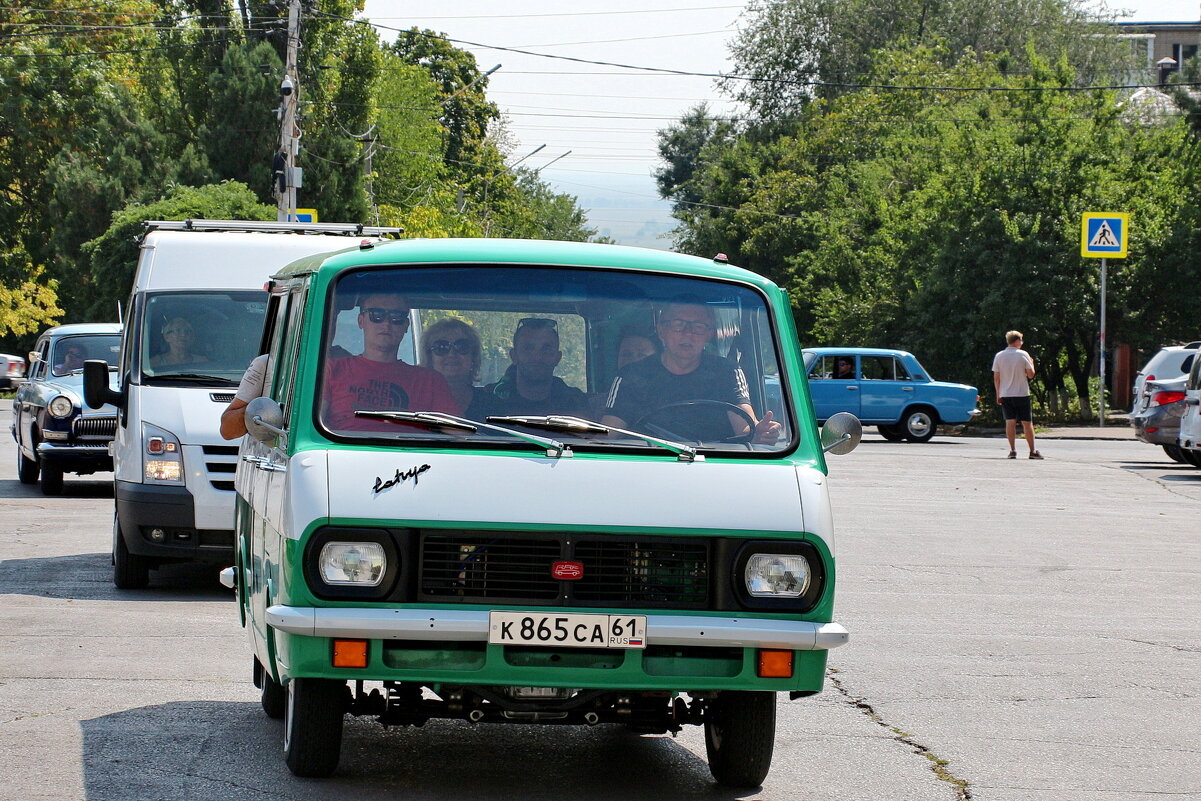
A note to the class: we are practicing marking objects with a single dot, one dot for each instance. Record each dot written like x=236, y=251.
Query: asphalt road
x=1026, y=631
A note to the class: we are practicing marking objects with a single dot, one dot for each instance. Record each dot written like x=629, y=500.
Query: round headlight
x=358, y=563
x=777, y=575
x=61, y=406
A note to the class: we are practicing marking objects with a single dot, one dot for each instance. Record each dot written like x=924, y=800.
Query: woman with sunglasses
x=452, y=347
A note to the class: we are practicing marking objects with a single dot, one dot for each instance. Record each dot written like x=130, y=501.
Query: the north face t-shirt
x=358, y=384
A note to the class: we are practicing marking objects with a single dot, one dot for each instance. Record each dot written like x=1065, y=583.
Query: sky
x=599, y=124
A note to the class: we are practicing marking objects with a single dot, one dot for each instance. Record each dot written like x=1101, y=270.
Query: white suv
x=1170, y=362
x=1190, y=423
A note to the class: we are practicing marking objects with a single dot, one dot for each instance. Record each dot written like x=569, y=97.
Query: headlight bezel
x=345, y=534
x=57, y=413
x=801, y=603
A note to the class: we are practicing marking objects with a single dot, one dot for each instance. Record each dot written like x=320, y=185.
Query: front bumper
x=472, y=626
x=141, y=508
x=76, y=458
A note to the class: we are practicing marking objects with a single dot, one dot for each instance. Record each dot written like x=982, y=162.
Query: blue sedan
x=888, y=389
x=55, y=434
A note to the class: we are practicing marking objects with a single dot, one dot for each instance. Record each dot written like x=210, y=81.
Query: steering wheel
x=669, y=434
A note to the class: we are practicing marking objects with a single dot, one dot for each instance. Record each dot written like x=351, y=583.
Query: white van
x=193, y=323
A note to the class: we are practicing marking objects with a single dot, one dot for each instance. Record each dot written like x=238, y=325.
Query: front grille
x=516, y=567
x=485, y=567
x=645, y=571
x=95, y=427
x=219, y=462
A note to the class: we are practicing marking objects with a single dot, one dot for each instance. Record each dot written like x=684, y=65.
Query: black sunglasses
x=460, y=346
x=394, y=316
x=536, y=322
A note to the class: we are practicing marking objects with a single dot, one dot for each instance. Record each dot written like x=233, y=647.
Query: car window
x=877, y=368
x=69, y=353
x=208, y=333
x=473, y=328
x=833, y=366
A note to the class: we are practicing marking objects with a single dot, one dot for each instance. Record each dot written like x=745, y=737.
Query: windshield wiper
x=443, y=420
x=194, y=378
x=578, y=425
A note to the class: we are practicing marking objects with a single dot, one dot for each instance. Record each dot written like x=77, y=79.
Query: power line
x=577, y=13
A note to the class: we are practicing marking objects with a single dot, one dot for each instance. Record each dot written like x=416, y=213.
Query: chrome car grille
x=94, y=427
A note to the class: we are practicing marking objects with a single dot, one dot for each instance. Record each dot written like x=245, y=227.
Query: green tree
x=112, y=257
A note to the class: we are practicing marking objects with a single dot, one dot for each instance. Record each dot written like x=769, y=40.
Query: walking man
x=1012, y=370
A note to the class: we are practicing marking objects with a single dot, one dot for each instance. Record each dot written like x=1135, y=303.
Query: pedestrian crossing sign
x=1104, y=234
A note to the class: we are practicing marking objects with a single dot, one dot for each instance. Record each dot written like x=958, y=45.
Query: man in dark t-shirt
x=530, y=386
x=684, y=372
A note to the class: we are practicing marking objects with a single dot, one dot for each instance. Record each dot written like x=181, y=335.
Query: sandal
x=1035, y=455
x=1013, y=454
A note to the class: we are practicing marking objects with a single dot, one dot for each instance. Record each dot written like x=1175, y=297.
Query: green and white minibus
x=649, y=546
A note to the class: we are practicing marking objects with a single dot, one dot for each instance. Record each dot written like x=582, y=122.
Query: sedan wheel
x=1174, y=453
x=27, y=469
x=891, y=433
x=918, y=425
x=52, y=479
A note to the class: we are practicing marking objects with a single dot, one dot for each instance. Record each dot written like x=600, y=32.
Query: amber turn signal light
x=775, y=664
x=350, y=653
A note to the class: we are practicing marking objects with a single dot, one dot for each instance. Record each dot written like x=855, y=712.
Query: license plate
x=567, y=630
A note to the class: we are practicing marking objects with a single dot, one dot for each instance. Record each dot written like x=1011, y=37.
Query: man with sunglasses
x=684, y=372
x=530, y=385
x=377, y=379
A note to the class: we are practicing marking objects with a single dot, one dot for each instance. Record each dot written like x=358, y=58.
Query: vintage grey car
x=55, y=433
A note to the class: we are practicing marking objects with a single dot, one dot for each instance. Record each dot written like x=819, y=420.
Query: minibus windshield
x=200, y=337
x=649, y=357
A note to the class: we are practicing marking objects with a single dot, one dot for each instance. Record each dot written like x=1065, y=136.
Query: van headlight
x=360, y=564
x=162, y=457
x=776, y=575
x=61, y=407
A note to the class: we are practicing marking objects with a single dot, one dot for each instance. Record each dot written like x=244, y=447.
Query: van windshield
x=689, y=361
x=200, y=336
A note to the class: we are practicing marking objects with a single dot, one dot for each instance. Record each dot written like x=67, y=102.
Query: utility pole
x=287, y=174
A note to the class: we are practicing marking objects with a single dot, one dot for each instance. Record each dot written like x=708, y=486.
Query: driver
x=685, y=372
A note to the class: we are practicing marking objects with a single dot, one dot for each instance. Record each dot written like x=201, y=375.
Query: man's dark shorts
x=1017, y=408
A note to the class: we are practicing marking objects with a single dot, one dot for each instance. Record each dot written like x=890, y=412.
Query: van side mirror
x=841, y=434
x=264, y=419
x=96, y=391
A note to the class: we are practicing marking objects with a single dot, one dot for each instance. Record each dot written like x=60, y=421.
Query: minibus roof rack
x=344, y=229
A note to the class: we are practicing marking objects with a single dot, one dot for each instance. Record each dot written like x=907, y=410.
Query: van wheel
x=313, y=726
x=130, y=571
x=27, y=469
x=740, y=733
x=273, y=698
x=1191, y=456
x=52, y=479
x=890, y=433
x=918, y=425
x=1173, y=452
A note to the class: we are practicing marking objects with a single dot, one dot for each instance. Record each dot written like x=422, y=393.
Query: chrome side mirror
x=841, y=434
x=264, y=419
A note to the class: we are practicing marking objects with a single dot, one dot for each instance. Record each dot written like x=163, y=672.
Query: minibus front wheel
x=313, y=726
x=740, y=734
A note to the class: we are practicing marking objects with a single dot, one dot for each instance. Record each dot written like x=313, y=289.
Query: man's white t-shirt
x=252, y=380
x=1012, y=364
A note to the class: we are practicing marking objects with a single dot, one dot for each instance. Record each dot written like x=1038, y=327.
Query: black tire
x=740, y=734
x=27, y=469
x=918, y=425
x=52, y=479
x=1174, y=453
x=890, y=433
x=130, y=571
x=313, y=726
x=1191, y=456
x=274, y=698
